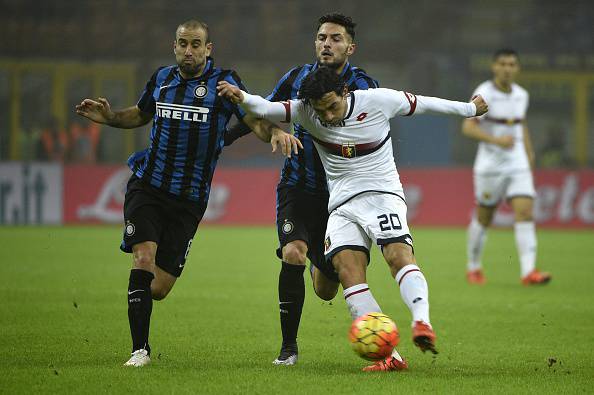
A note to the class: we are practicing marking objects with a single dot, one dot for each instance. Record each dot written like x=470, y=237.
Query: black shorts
x=151, y=215
x=301, y=215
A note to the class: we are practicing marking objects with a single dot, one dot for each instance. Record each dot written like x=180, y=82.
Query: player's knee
x=484, y=221
x=484, y=218
x=144, y=260
x=294, y=254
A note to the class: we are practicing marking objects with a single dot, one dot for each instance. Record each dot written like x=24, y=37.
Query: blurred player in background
x=302, y=193
x=351, y=131
x=502, y=168
x=168, y=191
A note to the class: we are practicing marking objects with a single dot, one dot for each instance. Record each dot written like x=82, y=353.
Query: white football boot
x=139, y=358
x=287, y=356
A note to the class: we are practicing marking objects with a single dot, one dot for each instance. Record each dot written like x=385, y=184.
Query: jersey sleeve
x=392, y=102
x=282, y=90
x=284, y=111
x=146, y=103
x=234, y=79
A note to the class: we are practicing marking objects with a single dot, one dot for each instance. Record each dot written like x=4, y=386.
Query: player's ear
x=209, y=47
x=351, y=49
x=345, y=90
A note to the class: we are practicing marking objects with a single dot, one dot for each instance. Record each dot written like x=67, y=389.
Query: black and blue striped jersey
x=189, y=122
x=305, y=169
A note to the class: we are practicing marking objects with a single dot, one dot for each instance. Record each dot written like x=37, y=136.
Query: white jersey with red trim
x=507, y=113
x=367, y=122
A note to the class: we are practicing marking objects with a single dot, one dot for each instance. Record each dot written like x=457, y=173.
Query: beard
x=335, y=63
x=189, y=69
x=332, y=64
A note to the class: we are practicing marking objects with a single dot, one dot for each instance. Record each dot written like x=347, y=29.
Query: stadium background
x=58, y=52
x=63, y=281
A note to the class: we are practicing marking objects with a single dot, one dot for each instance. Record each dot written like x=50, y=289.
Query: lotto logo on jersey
x=182, y=112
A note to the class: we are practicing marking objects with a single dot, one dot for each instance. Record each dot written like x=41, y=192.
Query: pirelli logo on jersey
x=182, y=112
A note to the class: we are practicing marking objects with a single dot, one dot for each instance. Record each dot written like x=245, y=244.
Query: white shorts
x=371, y=217
x=490, y=189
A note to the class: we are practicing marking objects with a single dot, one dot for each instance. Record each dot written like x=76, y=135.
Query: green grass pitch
x=64, y=325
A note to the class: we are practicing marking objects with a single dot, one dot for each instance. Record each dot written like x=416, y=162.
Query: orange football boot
x=536, y=278
x=475, y=277
x=424, y=337
x=386, y=365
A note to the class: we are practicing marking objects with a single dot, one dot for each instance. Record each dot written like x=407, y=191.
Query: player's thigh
x=142, y=213
x=178, y=234
x=293, y=218
x=521, y=194
x=316, y=229
x=383, y=218
x=489, y=188
x=342, y=233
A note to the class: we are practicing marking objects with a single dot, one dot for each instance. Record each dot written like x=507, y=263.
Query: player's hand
x=288, y=143
x=481, y=105
x=96, y=110
x=230, y=92
x=505, y=141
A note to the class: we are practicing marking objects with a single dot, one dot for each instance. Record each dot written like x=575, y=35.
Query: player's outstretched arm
x=254, y=105
x=269, y=132
x=427, y=104
x=100, y=111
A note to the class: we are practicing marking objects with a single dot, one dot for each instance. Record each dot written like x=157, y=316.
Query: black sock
x=140, y=306
x=291, y=294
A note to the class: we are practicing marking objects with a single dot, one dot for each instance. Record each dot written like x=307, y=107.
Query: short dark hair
x=339, y=19
x=194, y=24
x=505, y=52
x=319, y=82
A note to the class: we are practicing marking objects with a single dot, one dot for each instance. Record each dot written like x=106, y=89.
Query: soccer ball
x=374, y=336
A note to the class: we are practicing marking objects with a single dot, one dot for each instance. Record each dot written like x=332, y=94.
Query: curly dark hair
x=339, y=19
x=319, y=82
